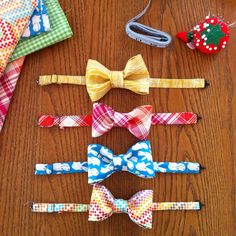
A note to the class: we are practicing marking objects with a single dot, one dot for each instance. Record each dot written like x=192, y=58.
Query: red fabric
x=104, y=118
x=7, y=86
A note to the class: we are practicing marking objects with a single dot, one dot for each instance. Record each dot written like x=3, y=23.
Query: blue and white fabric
x=39, y=22
x=102, y=163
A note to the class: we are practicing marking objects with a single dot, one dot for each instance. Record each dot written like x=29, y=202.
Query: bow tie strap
x=59, y=207
x=82, y=167
x=61, y=168
x=178, y=83
x=61, y=79
x=122, y=206
x=164, y=206
x=135, y=77
x=103, y=204
x=64, y=121
x=117, y=82
x=102, y=163
x=179, y=118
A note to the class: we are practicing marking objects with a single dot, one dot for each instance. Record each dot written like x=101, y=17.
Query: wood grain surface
x=99, y=33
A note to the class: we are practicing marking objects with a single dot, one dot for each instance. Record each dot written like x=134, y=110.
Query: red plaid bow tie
x=104, y=118
x=138, y=121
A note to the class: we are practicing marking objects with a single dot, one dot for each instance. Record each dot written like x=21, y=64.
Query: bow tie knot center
x=120, y=206
x=117, y=79
x=120, y=162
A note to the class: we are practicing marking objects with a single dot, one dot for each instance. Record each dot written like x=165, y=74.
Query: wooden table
x=98, y=27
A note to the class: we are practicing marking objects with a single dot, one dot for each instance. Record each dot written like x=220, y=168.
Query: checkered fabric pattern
x=60, y=30
x=164, y=206
x=138, y=207
x=7, y=86
x=104, y=118
x=14, y=16
x=103, y=204
x=59, y=207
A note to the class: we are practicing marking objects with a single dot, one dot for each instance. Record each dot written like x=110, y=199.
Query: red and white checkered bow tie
x=138, y=121
x=104, y=118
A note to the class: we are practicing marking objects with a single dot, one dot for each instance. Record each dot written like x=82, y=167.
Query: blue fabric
x=177, y=167
x=61, y=168
x=39, y=22
x=102, y=163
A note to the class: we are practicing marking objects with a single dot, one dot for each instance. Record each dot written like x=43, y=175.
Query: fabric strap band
x=153, y=82
x=81, y=167
x=74, y=207
x=146, y=34
x=178, y=118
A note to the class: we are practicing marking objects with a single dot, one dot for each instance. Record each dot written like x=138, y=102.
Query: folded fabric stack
x=26, y=27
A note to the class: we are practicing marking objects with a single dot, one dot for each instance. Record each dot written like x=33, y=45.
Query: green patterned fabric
x=60, y=31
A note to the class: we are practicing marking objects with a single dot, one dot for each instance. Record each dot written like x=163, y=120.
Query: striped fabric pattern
x=135, y=77
x=100, y=80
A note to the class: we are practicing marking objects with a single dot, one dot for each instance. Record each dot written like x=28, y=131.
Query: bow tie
x=103, y=204
x=102, y=163
x=139, y=207
x=104, y=118
x=135, y=77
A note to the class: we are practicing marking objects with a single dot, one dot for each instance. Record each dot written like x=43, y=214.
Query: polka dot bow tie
x=102, y=163
x=104, y=118
x=135, y=77
x=102, y=205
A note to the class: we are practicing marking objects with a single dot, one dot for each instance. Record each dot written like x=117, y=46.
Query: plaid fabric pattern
x=104, y=118
x=138, y=121
x=60, y=30
x=181, y=118
x=64, y=121
x=138, y=207
x=14, y=15
x=7, y=86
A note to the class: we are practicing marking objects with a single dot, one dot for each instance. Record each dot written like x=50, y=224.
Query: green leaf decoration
x=190, y=36
x=214, y=35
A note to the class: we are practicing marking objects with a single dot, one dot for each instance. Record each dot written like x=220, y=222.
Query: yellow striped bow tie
x=135, y=77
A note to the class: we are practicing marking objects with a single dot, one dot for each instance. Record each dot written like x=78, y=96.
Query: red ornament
x=209, y=36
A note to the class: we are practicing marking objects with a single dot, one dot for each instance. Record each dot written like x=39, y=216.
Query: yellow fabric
x=135, y=77
x=177, y=83
x=61, y=79
x=100, y=80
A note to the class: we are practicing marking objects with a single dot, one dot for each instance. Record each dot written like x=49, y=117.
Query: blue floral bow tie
x=102, y=163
